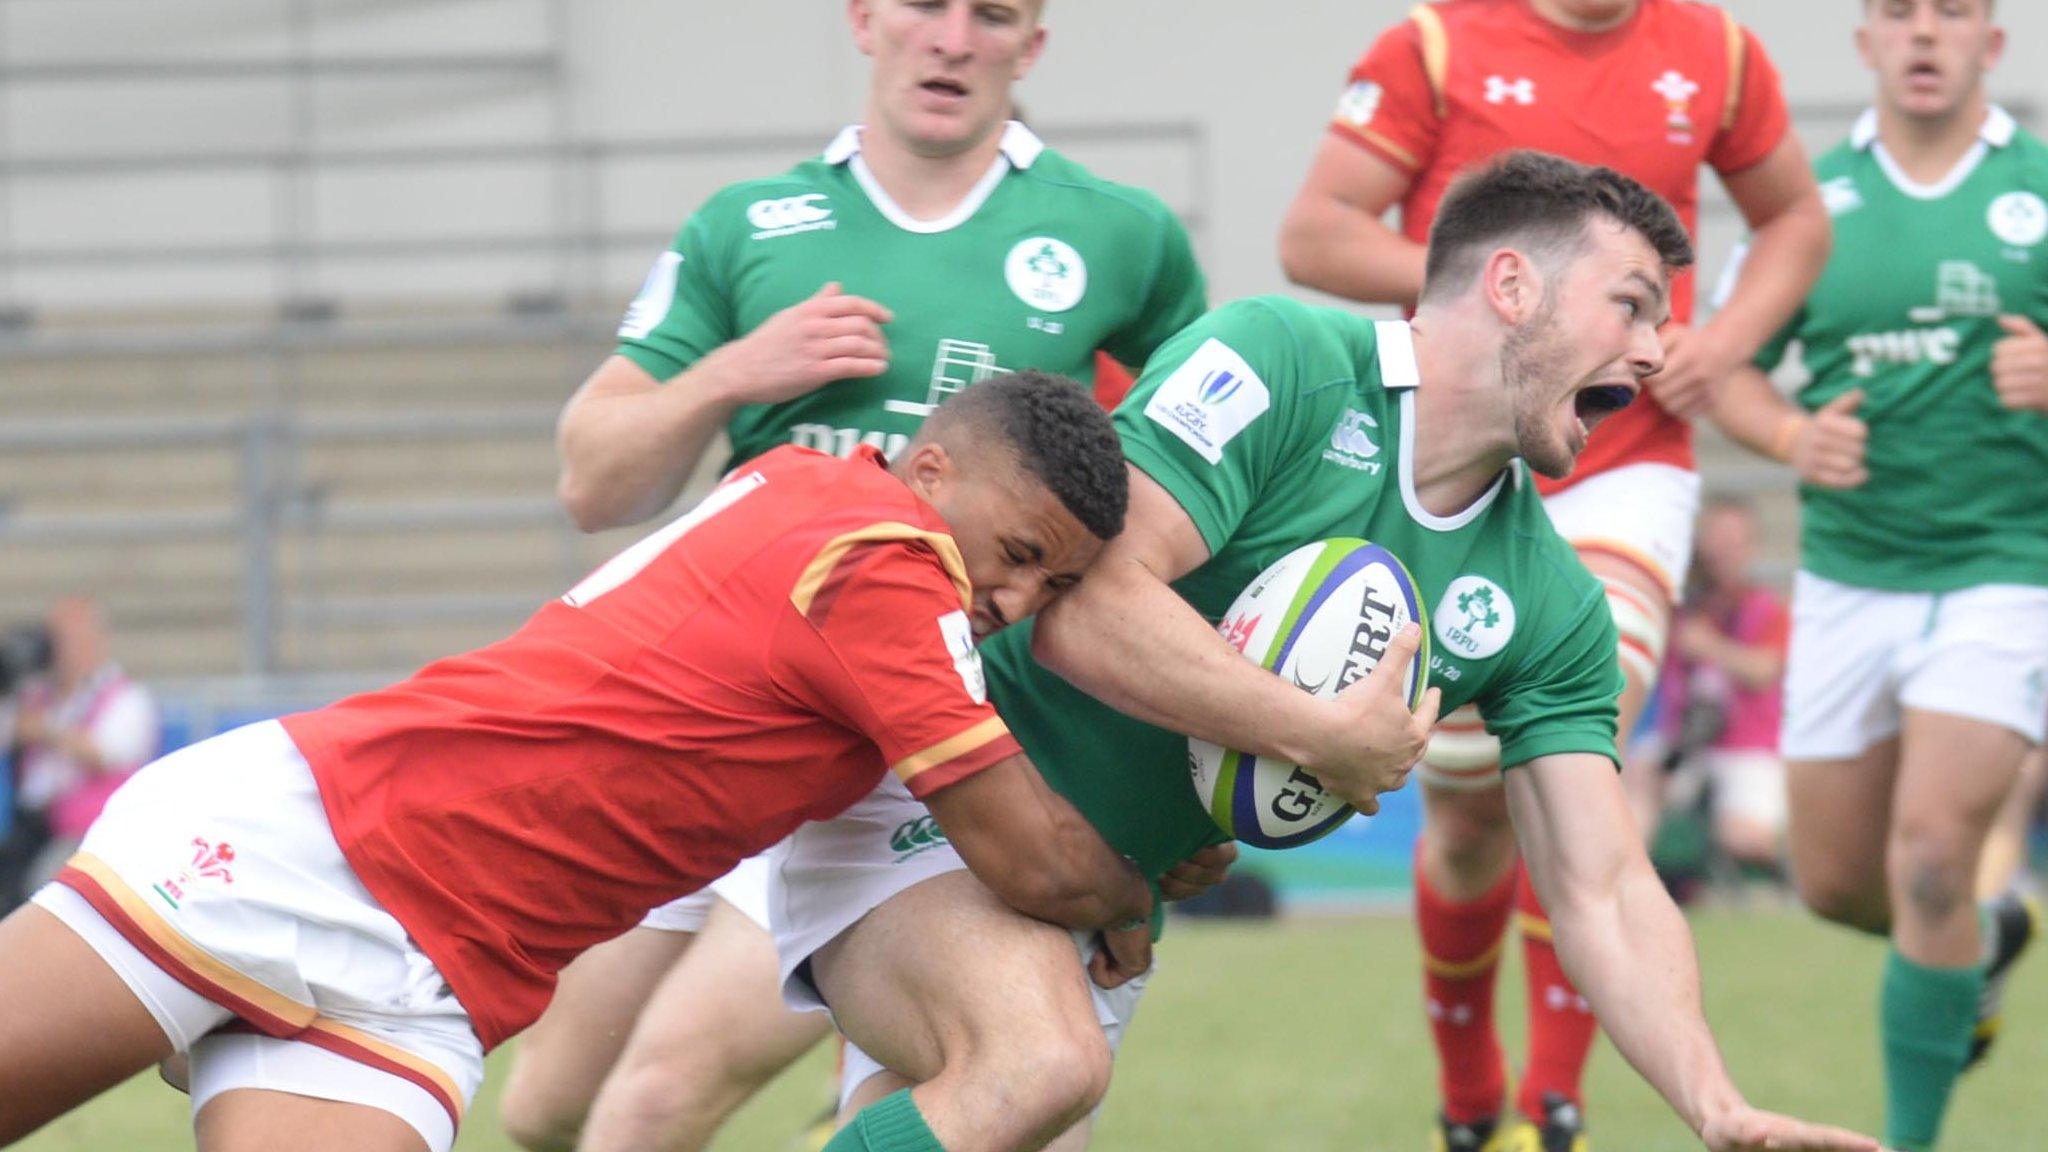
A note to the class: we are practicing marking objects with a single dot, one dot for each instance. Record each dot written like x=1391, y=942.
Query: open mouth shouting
x=1596, y=402
x=943, y=92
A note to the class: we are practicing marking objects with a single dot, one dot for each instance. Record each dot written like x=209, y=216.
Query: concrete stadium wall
x=1258, y=79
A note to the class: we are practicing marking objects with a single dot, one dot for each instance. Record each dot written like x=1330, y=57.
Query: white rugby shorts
x=829, y=874
x=213, y=886
x=1641, y=512
x=745, y=888
x=1860, y=655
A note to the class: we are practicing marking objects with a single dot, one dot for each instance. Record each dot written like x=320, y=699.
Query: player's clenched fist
x=1694, y=367
x=1377, y=739
x=1746, y=1129
x=2019, y=365
x=831, y=336
x=1827, y=451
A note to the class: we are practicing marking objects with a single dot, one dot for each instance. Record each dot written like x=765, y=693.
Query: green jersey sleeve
x=683, y=310
x=1563, y=692
x=1175, y=295
x=1210, y=420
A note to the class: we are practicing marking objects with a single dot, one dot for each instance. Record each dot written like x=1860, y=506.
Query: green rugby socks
x=891, y=1124
x=1927, y=1017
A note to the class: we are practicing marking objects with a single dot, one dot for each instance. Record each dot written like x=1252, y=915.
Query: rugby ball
x=1321, y=617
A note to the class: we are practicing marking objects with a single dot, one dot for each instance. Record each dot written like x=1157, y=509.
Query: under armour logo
x=1499, y=90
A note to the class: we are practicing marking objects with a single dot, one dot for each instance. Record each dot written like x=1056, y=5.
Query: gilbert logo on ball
x=1320, y=617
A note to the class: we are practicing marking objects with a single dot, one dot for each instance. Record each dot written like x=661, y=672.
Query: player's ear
x=928, y=469
x=1033, y=50
x=859, y=15
x=1512, y=285
x=1994, y=47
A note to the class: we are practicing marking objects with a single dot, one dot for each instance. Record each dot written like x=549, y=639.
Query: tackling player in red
x=1654, y=88
x=338, y=913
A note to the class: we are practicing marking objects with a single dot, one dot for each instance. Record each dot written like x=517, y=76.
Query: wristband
x=1786, y=434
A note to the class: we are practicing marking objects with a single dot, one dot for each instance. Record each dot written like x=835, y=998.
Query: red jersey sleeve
x=1756, y=119
x=1390, y=107
x=894, y=659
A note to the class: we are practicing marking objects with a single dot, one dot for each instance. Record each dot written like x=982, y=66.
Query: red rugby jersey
x=1678, y=85
x=760, y=662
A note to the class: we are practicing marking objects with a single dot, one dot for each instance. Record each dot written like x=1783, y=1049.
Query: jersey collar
x=1394, y=344
x=1018, y=149
x=1997, y=129
x=1996, y=132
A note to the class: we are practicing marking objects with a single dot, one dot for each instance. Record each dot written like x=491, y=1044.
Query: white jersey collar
x=1394, y=343
x=1018, y=149
x=1996, y=132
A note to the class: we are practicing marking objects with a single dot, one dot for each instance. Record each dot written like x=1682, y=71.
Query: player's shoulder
x=1053, y=172
x=2029, y=149
x=739, y=202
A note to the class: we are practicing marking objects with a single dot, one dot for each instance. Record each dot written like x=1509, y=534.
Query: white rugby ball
x=1321, y=617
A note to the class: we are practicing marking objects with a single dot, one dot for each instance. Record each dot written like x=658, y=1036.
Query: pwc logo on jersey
x=959, y=637
x=789, y=215
x=1046, y=273
x=1475, y=619
x=1209, y=399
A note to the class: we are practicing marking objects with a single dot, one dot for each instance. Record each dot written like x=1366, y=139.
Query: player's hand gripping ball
x=1321, y=617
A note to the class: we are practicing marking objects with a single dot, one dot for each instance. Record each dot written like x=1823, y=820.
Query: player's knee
x=1057, y=1076
x=1841, y=900
x=1932, y=878
x=537, y=1122
x=1468, y=840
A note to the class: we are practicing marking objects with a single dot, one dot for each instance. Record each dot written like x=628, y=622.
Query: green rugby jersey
x=1275, y=424
x=1907, y=310
x=1041, y=265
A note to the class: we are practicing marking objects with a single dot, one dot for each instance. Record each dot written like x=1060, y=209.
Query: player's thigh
x=945, y=971
x=719, y=1014
x=258, y=1120
x=70, y=1028
x=560, y=1062
x=1838, y=821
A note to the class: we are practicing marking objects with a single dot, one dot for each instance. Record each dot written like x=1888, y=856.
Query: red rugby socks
x=1461, y=945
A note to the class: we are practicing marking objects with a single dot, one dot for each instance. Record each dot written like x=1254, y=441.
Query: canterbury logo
x=789, y=214
x=917, y=835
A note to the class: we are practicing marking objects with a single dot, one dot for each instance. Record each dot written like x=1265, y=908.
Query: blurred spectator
x=1720, y=720
x=79, y=731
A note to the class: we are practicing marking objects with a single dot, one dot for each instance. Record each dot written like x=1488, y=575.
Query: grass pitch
x=1307, y=1034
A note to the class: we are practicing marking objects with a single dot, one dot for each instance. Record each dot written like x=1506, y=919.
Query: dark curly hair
x=1540, y=202
x=1061, y=436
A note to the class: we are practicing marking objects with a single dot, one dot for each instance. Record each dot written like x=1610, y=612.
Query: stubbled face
x=1583, y=354
x=1020, y=544
x=943, y=68
x=1726, y=546
x=1930, y=56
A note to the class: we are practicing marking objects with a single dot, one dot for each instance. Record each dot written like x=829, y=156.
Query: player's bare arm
x=1779, y=199
x=628, y=442
x=1627, y=948
x=1334, y=237
x=1034, y=850
x=1825, y=446
x=1127, y=638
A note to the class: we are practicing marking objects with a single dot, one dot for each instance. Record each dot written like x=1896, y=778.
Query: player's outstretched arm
x=1629, y=951
x=628, y=443
x=1333, y=237
x=1126, y=638
x=1036, y=851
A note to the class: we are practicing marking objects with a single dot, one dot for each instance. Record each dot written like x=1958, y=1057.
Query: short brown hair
x=1542, y=202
